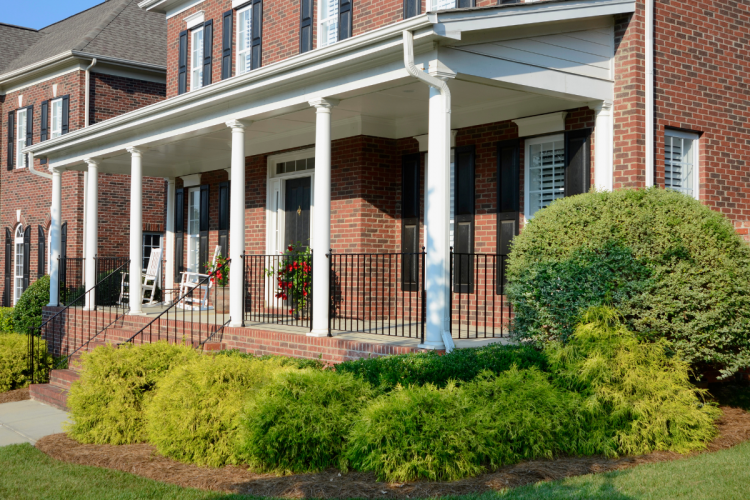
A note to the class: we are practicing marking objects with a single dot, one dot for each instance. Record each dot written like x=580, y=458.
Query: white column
x=237, y=223
x=136, y=230
x=321, y=238
x=92, y=229
x=603, y=146
x=85, y=210
x=437, y=214
x=169, y=242
x=55, y=238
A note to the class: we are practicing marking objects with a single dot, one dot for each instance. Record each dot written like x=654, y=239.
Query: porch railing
x=479, y=308
x=83, y=318
x=378, y=293
x=267, y=301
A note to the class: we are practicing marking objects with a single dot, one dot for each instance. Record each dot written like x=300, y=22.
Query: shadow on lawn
x=601, y=487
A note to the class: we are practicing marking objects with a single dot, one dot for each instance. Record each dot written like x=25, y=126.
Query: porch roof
x=187, y=134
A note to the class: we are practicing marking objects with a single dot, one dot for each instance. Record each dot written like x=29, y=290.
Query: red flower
x=304, y=293
x=291, y=311
x=291, y=248
x=296, y=266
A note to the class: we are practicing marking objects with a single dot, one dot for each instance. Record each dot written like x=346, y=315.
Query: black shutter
x=203, y=237
x=63, y=268
x=64, y=241
x=461, y=4
x=44, y=132
x=182, y=60
x=42, y=251
x=65, y=115
x=577, y=162
x=29, y=131
x=345, y=19
x=208, y=51
x=410, y=175
x=412, y=8
x=11, y=138
x=224, y=218
x=463, y=225
x=227, y=36
x=508, y=202
x=306, y=26
x=257, y=29
x=8, y=256
x=179, y=229
x=26, y=257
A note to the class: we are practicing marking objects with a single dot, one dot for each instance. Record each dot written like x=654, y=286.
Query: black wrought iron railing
x=199, y=311
x=83, y=319
x=278, y=289
x=479, y=308
x=378, y=293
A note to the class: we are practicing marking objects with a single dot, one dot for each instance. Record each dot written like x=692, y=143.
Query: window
x=442, y=5
x=681, y=162
x=193, y=232
x=244, y=40
x=545, y=160
x=150, y=241
x=56, y=122
x=21, y=138
x=329, y=23
x=196, y=59
x=18, y=266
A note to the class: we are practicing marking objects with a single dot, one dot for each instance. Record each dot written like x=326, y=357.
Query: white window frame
x=333, y=18
x=193, y=260
x=436, y=5
x=249, y=49
x=695, y=138
x=161, y=245
x=527, y=168
x=18, y=265
x=196, y=71
x=55, y=125
x=21, y=121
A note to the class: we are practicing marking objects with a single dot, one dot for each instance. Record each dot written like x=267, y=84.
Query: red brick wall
x=114, y=95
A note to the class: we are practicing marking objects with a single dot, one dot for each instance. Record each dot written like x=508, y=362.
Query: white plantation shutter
x=546, y=173
x=442, y=5
x=244, y=40
x=329, y=22
x=680, y=165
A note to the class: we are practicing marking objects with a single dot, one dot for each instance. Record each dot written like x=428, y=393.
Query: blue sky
x=40, y=13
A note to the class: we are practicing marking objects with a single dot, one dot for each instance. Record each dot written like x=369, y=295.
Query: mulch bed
x=16, y=395
x=142, y=459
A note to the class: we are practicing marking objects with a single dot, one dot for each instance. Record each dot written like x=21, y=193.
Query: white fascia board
x=528, y=13
x=56, y=71
x=33, y=69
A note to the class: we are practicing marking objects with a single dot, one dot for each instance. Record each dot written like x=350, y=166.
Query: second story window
x=244, y=39
x=449, y=4
x=335, y=21
x=21, y=138
x=57, y=118
x=196, y=58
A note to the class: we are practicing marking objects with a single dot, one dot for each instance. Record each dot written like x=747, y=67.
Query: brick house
x=365, y=129
x=73, y=74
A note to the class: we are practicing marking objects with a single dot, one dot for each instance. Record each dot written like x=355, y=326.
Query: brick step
x=49, y=394
x=63, y=378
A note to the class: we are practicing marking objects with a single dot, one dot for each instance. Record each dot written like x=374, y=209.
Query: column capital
x=56, y=170
x=134, y=151
x=324, y=102
x=601, y=106
x=237, y=125
x=92, y=162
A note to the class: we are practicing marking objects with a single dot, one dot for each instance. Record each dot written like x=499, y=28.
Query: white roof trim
x=191, y=180
x=541, y=124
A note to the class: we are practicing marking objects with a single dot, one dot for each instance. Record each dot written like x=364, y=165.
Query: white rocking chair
x=198, y=300
x=149, y=280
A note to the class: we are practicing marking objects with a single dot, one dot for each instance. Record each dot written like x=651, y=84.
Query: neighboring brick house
x=43, y=82
x=547, y=99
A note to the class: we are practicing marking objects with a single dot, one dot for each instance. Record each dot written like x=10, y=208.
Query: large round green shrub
x=698, y=290
x=14, y=361
x=299, y=423
x=194, y=414
x=107, y=402
x=28, y=310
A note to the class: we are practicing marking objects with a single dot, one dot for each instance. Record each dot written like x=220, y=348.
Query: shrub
x=28, y=311
x=6, y=320
x=432, y=368
x=194, y=414
x=299, y=423
x=107, y=402
x=287, y=361
x=14, y=361
x=699, y=295
x=643, y=390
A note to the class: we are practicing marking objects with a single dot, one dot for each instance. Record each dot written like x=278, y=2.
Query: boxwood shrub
x=28, y=310
x=107, y=402
x=6, y=320
x=14, y=361
x=430, y=367
x=698, y=295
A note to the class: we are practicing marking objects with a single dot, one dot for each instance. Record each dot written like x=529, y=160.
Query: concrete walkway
x=27, y=421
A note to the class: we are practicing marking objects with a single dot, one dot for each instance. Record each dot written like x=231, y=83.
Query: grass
x=29, y=474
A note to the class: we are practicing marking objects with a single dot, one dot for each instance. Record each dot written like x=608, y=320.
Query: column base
x=235, y=324
x=52, y=305
x=318, y=333
x=136, y=313
x=432, y=346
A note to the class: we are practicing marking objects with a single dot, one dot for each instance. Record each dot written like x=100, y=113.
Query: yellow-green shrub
x=106, y=403
x=194, y=414
x=14, y=361
x=641, y=388
x=6, y=320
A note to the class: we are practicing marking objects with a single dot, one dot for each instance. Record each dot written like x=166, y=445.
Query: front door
x=297, y=212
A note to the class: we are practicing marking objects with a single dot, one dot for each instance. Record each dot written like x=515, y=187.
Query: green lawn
x=29, y=474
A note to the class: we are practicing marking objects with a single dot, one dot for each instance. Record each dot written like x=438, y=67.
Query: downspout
x=649, y=14
x=87, y=101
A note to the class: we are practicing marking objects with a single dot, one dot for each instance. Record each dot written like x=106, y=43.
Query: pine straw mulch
x=142, y=459
x=15, y=395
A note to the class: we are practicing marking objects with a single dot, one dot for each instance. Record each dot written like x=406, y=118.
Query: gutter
x=87, y=97
x=36, y=172
x=649, y=8
x=427, y=78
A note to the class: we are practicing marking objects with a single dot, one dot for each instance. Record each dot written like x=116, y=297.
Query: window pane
x=329, y=23
x=546, y=174
x=196, y=78
x=194, y=198
x=56, y=124
x=679, y=164
x=442, y=5
x=244, y=40
x=21, y=138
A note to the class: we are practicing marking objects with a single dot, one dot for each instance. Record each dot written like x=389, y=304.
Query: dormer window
x=196, y=58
